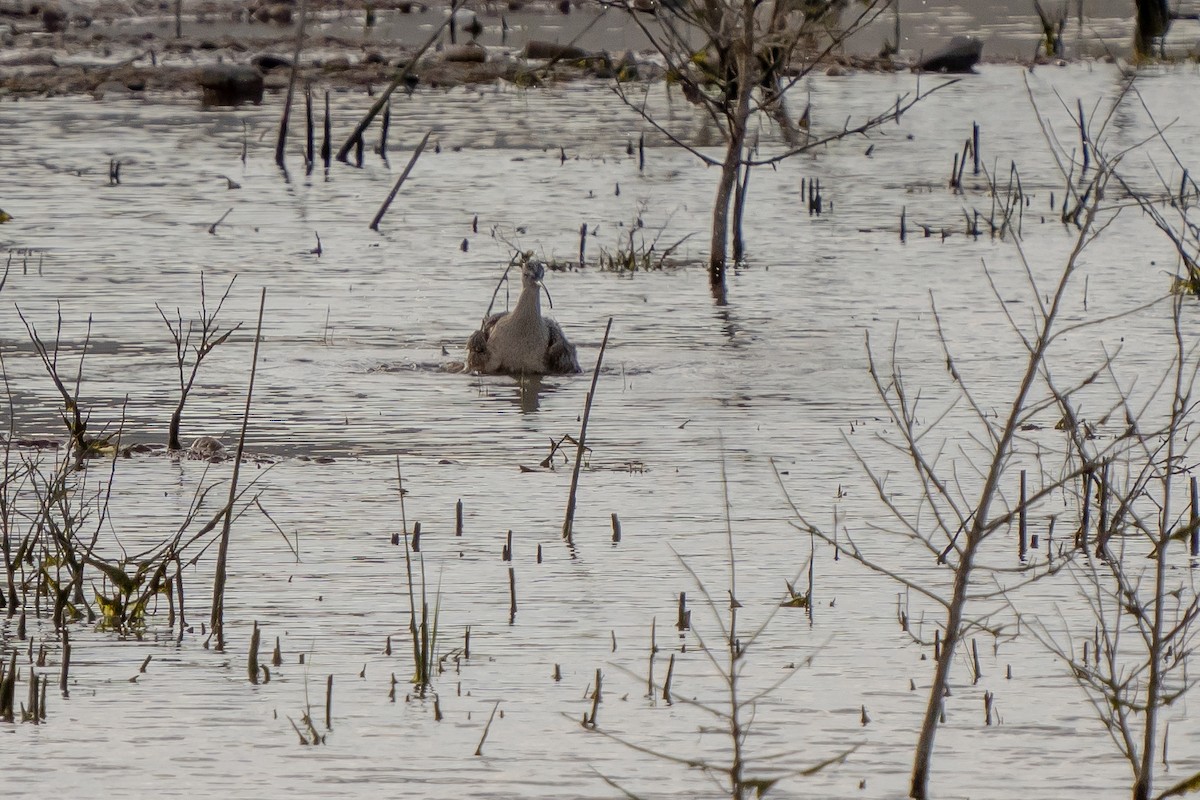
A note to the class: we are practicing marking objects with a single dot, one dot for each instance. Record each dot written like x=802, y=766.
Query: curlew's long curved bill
x=549, y=299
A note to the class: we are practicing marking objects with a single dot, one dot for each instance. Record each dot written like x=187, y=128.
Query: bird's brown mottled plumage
x=522, y=341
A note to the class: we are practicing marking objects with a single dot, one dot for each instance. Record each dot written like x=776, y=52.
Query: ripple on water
x=352, y=367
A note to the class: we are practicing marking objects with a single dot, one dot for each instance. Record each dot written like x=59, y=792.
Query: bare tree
x=1153, y=19
x=1144, y=619
x=739, y=772
x=197, y=341
x=961, y=475
x=735, y=59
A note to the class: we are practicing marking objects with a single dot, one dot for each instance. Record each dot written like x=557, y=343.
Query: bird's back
x=477, y=344
x=561, y=358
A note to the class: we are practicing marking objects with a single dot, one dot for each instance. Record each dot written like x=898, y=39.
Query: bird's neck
x=529, y=304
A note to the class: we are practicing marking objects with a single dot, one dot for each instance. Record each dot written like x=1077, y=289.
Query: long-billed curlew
x=522, y=341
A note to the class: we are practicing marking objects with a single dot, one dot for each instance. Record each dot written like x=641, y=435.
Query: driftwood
x=470, y=53
x=551, y=51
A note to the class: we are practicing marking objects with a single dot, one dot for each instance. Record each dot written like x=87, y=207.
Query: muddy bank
x=110, y=49
x=43, y=72
x=107, y=48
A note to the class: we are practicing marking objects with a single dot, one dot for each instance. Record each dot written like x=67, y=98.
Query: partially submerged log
x=550, y=51
x=470, y=53
x=265, y=62
x=960, y=55
x=231, y=85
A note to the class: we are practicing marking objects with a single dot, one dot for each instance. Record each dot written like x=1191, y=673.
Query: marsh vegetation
x=909, y=503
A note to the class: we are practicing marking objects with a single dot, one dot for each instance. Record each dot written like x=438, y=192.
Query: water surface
x=351, y=367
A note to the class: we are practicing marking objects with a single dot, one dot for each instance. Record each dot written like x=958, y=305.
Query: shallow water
x=1010, y=29
x=351, y=367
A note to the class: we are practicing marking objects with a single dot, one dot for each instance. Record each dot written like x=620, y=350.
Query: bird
x=522, y=341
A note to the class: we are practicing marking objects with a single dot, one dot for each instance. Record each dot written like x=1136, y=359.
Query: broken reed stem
x=486, y=728
x=1194, y=538
x=400, y=489
x=32, y=713
x=1022, y=526
x=355, y=138
x=1081, y=537
x=327, y=141
x=8, y=684
x=66, y=664
x=569, y=520
x=329, y=703
x=812, y=561
x=281, y=142
x=1102, y=531
x=309, y=152
x=974, y=148
x=683, y=620
x=383, y=130
x=212, y=229
x=217, y=618
x=179, y=594
x=666, y=693
x=1083, y=137
x=414, y=632
x=512, y=595
x=458, y=516
x=400, y=181
x=653, y=653
x=252, y=659
x=591, y=721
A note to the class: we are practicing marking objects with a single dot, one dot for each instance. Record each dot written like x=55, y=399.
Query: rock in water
x=961, y=55
x=231, y=85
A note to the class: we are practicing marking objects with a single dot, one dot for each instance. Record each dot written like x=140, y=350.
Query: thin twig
x=400, y=181
x=217, y=618
x=579, y=450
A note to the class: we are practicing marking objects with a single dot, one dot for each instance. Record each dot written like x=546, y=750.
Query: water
x=352, y=368
x=1010, y=29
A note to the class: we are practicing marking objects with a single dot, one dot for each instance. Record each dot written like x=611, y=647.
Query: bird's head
x=532, y=272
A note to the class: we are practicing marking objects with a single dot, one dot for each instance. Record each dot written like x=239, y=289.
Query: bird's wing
x=479, y=339
x=560, y=354
x=478, y=342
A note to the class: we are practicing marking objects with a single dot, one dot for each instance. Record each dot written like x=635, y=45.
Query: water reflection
x=382, y=386
x=528, y=394
x=530, y=387
x=728, y=325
